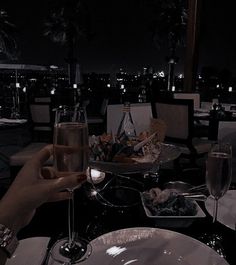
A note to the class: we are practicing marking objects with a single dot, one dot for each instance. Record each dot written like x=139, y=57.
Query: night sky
x=121, y=36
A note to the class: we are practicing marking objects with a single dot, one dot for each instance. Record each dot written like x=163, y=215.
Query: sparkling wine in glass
x=70, y=144
x=218, y=172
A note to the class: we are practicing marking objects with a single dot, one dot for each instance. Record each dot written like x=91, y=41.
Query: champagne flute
x=218, y=179
x=218, y=172
x=70, y=144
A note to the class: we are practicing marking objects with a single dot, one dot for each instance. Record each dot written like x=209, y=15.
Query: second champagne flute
x=70, y=156
x=218, y=172
x=218, y=179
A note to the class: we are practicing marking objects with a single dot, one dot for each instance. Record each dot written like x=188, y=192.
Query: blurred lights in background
x=52, y=92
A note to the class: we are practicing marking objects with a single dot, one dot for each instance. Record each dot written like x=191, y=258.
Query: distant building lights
x=230, y=89
x=75, y=86
x=161, y=74
x=199, y=77
x=181, y=76
x=119, y=79
x=217, y=86
x=53, y=67
x=108, y=85
x=52, y=92
x=173, y=88
x=122, y=86
x=17, y=85
x=124, y=90
x=24, y=89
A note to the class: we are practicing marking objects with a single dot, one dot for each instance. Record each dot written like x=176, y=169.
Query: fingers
x=60, y=196
x=43, y=155
x=65, y=149
x=48, y=173
x=68, y=182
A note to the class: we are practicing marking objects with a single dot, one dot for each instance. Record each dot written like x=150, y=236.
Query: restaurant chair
x=193, y=96
x=201, y=127
x=18, y=159
x=227, y=133
x=206, y=105
x=42, y=122
x=96, y=123
x=42, y=131
x=141, y=114
x=42, y=100
x=178, y=116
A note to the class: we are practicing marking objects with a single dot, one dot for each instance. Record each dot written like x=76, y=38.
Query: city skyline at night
x=121, y=37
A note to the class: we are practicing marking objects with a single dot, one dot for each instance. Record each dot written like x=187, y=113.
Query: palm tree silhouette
x=8, y=44
x=169, y=26
x=68, y=22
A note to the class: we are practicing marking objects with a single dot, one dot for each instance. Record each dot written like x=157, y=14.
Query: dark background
x=121, y=36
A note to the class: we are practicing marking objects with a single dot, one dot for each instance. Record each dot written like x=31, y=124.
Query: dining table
x=100, y=222
x=213, y=117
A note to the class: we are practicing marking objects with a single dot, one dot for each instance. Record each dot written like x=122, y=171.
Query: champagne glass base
x=63, y=253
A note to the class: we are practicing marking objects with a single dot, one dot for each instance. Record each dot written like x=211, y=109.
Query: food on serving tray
x=144, y=148
x=168, y=202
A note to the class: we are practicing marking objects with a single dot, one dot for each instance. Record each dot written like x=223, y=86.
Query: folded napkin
x=30, y=251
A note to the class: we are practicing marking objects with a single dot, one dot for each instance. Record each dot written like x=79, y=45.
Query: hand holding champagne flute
x=70, y=156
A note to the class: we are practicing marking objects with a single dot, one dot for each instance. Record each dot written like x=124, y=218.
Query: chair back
x=40, y=113
x=206, y=105
x=141, y=115
x=178, y=116
x=42, y=121
x=42, y=100
x=227, y=133
x=103, y=108
x=41, y=116
x=194, y=96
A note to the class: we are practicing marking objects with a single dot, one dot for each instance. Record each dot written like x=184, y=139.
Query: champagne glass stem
x=215, y=212
x=71, y=215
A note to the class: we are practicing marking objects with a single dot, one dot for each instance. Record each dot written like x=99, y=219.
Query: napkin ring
x=8, y=241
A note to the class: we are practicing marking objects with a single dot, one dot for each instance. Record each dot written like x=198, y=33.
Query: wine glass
x=218, y=172
x=70, y=150
x=218, y=179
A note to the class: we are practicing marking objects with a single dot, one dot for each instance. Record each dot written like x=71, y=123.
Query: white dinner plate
x=226, y=208
x=142, y=246
x=150, y=246
x=30, y=251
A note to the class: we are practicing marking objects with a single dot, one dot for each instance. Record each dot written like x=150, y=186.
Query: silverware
x=198, y=188
x=194, y=196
